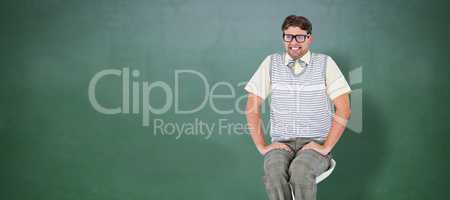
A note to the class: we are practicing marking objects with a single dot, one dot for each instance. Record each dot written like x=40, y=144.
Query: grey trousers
x=284, y=170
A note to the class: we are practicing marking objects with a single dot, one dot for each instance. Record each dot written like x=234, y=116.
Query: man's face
x=296, y=49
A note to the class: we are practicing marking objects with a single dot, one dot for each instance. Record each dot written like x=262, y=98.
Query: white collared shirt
x=336, y=84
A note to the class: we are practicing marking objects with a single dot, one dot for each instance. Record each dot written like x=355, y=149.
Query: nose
x=294, y=41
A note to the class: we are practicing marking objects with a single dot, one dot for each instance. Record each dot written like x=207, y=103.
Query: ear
x=311, y=39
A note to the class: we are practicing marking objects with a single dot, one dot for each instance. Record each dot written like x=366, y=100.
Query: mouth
x=296, y=49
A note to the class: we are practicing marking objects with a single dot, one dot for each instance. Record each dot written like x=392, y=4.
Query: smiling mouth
x=295, y=48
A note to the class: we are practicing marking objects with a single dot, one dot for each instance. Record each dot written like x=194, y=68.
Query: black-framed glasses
x=298, y=38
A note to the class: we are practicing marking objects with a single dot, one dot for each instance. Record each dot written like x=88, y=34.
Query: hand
x=275, y=145
x=317, y=147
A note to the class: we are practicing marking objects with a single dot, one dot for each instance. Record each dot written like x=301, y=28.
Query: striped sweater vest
x=299, y=106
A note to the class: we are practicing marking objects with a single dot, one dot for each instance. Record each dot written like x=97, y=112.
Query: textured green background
x=54, y=145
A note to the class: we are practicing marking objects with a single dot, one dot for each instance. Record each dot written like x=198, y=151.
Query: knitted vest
x=299, y=106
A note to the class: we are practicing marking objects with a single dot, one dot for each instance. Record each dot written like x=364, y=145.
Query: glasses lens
x=287, y=37
x=300, y=38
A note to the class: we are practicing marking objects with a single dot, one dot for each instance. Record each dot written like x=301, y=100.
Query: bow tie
x=297, y=66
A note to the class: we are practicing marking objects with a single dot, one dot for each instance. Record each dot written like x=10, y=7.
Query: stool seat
x=327, y=173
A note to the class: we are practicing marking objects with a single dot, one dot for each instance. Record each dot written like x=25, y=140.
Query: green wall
x=55, y=145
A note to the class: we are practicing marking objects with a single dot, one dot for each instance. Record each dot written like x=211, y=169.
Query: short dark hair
x=297, y=21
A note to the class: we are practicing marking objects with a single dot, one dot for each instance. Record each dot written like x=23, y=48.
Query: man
x=309, y=109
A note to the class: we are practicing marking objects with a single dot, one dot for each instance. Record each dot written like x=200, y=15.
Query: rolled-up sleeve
x=335, y=80
x=259, y=84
